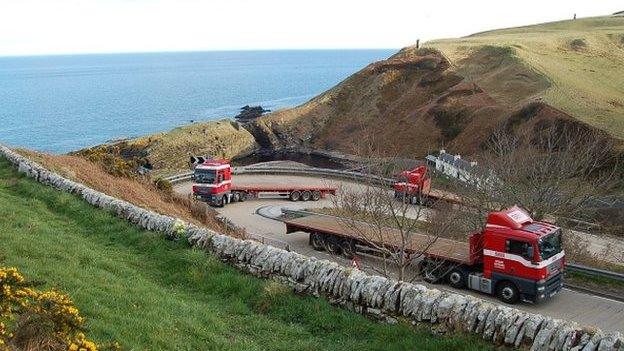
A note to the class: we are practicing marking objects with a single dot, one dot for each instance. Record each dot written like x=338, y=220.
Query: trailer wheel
x=306, y=195
x=348, y=248
x=332, y=245
x=457, y=278
x=508, y=292
x=317, y=240
x=295, y=195
x=316, y=195
x=432, y=272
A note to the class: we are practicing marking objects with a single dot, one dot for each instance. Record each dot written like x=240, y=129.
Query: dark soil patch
x=578, y=44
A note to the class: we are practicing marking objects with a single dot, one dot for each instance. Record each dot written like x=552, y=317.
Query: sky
x=39, y=27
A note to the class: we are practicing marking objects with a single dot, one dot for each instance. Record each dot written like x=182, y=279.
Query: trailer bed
x=282, y=188
x=444, y=195
x=447, y=249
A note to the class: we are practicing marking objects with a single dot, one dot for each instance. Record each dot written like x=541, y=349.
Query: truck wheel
x=222, y=202
x=317, y=240
x=316, y=195
x=508, y=292
x=242, y=197
x=348, y=248
x=295, y=195
x=415, y=200
x=236, y=197
x=405, y=198
x=431, y=271
x=306, y=195
x=457, y=278
x=332, y=245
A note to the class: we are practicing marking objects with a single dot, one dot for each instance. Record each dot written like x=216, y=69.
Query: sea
x=63, y=103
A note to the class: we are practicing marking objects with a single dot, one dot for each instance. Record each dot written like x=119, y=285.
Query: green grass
x=585, y=81
x=149, y=293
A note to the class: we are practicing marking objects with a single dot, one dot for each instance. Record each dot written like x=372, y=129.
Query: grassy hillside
x=454, y=93
x=583, y=61
x=152, y=294
x=168, y=152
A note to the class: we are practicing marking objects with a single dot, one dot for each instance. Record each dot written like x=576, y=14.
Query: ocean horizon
x=61, y=103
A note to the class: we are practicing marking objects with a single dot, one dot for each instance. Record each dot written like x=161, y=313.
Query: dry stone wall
x=376, y=296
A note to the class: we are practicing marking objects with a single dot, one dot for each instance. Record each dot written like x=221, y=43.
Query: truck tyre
x=457, y=278
x=317, y=240
x=242, y=197
x=508, y=292
x=222, y=201
x=348, y=248
x=295, y=195
x=236, y=196
x=432, y=272
x=316, y=195
x=332, y=245
x=306, y=195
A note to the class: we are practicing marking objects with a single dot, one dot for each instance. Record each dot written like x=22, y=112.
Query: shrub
x=178, y=230
x=32, y=319
x=164, y=185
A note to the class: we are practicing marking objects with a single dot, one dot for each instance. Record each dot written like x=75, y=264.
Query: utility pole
x=417, y=43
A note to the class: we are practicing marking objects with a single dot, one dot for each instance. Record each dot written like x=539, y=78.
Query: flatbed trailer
x=349, y=233
x=293, y=192
x=435, y=195
x=513, y=257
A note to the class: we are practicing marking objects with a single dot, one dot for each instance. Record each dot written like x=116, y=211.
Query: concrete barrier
x=375, y=296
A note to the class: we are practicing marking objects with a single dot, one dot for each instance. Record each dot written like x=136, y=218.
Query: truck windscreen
x=205, y=176
x=550, y=245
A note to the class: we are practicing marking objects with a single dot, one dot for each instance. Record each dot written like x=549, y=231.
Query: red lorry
x=414, y=186
x=513, y=257
x=212, y=183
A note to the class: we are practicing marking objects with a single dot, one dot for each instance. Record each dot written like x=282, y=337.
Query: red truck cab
x=212, y=181
x=519, y=259
x=413, y=185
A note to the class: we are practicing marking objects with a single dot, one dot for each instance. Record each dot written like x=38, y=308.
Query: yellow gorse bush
x=30, y=317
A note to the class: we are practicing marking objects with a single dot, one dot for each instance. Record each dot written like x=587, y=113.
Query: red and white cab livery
x=514, y=257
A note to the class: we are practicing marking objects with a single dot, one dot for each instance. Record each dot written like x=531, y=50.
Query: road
x=569, y=305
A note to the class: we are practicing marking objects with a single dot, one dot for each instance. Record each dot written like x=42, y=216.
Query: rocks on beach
x=250, y=112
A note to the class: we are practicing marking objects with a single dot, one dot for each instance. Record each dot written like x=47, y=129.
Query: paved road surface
x=570, y=305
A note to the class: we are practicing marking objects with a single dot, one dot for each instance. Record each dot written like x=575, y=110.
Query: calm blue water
x=63, y=103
